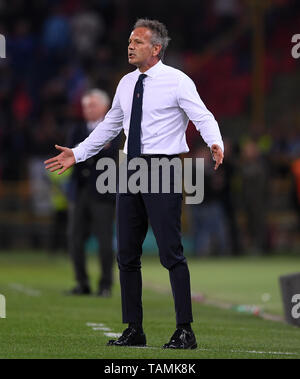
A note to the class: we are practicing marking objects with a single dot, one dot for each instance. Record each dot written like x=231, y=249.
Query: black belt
x=159, y=156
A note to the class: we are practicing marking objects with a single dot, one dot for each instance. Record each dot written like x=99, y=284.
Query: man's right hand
x=62, y=161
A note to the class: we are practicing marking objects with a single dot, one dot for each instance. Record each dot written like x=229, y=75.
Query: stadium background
x=238, y=52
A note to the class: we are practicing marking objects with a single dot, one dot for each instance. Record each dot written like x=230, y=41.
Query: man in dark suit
x=153, y=105
x=89, y=211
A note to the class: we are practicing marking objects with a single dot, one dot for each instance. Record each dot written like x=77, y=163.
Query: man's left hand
x=217, y=154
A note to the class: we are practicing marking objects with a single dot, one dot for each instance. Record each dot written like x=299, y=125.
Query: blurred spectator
x=21, y=47
x=227, y=196
x=22, y=104
x=40, y=201
x=210, y=235
x=87, y=27
x=89, y=211
x=227, y=11
x=59, y=189
x=296, y=175
x=226, y=8
x=56, y=32
x=254, y=179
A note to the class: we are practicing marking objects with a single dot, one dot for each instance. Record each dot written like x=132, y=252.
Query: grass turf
x=51, y=325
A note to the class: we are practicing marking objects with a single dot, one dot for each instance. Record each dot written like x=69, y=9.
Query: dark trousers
x=164, y=213
x=89, y=215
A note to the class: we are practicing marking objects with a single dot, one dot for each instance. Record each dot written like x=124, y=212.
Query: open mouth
x=131, y=55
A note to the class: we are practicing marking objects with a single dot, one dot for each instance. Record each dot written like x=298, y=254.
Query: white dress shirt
x=91, y=125
x=170, y=100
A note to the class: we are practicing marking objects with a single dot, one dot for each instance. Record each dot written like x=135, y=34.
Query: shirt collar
x=154, y=70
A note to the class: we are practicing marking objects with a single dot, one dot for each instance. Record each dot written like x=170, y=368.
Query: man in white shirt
x=153, y=105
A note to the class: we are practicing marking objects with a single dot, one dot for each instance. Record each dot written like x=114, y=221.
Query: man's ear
x=156, y=50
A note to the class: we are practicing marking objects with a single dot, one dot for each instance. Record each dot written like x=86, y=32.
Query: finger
x=55, y=168
x=216, y=155
x=217, y=152
x=219, y=156
x=52, y=165
x=62, y=170
x=54, y=159
x=218, y=162
x=60, y=148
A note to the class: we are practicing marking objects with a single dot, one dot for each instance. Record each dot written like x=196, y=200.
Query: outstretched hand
x=62, y=161
x=217, y=154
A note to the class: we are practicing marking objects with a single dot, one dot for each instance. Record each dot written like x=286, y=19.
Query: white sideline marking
x=263, y=352
x=249, y=352
x=218, y=351
x=101, y=328
x=105, y=329
x=223, y=351
x=27, y=291
x=113, y=335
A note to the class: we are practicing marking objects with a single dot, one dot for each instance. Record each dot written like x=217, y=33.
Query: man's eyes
x=139, y=42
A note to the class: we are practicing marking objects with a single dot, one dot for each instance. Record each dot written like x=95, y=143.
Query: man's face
x=93, y=108
x=141, y=52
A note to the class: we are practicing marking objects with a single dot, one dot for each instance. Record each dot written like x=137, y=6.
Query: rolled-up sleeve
x=105, y=131
x=204, y=121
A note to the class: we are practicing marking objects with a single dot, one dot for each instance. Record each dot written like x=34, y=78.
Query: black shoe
x=130, y=337
x=78, y=291
x=106, y=292
x=182, y=339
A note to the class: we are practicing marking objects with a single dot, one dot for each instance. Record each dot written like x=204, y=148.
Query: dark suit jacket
x=85, y=174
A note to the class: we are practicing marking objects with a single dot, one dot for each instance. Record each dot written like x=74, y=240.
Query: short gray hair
x=159, y=33
x=102, y=95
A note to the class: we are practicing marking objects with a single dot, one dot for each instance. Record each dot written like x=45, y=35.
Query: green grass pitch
x=43, y=323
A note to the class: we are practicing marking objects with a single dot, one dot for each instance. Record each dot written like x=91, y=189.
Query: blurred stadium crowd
x=56, y=50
